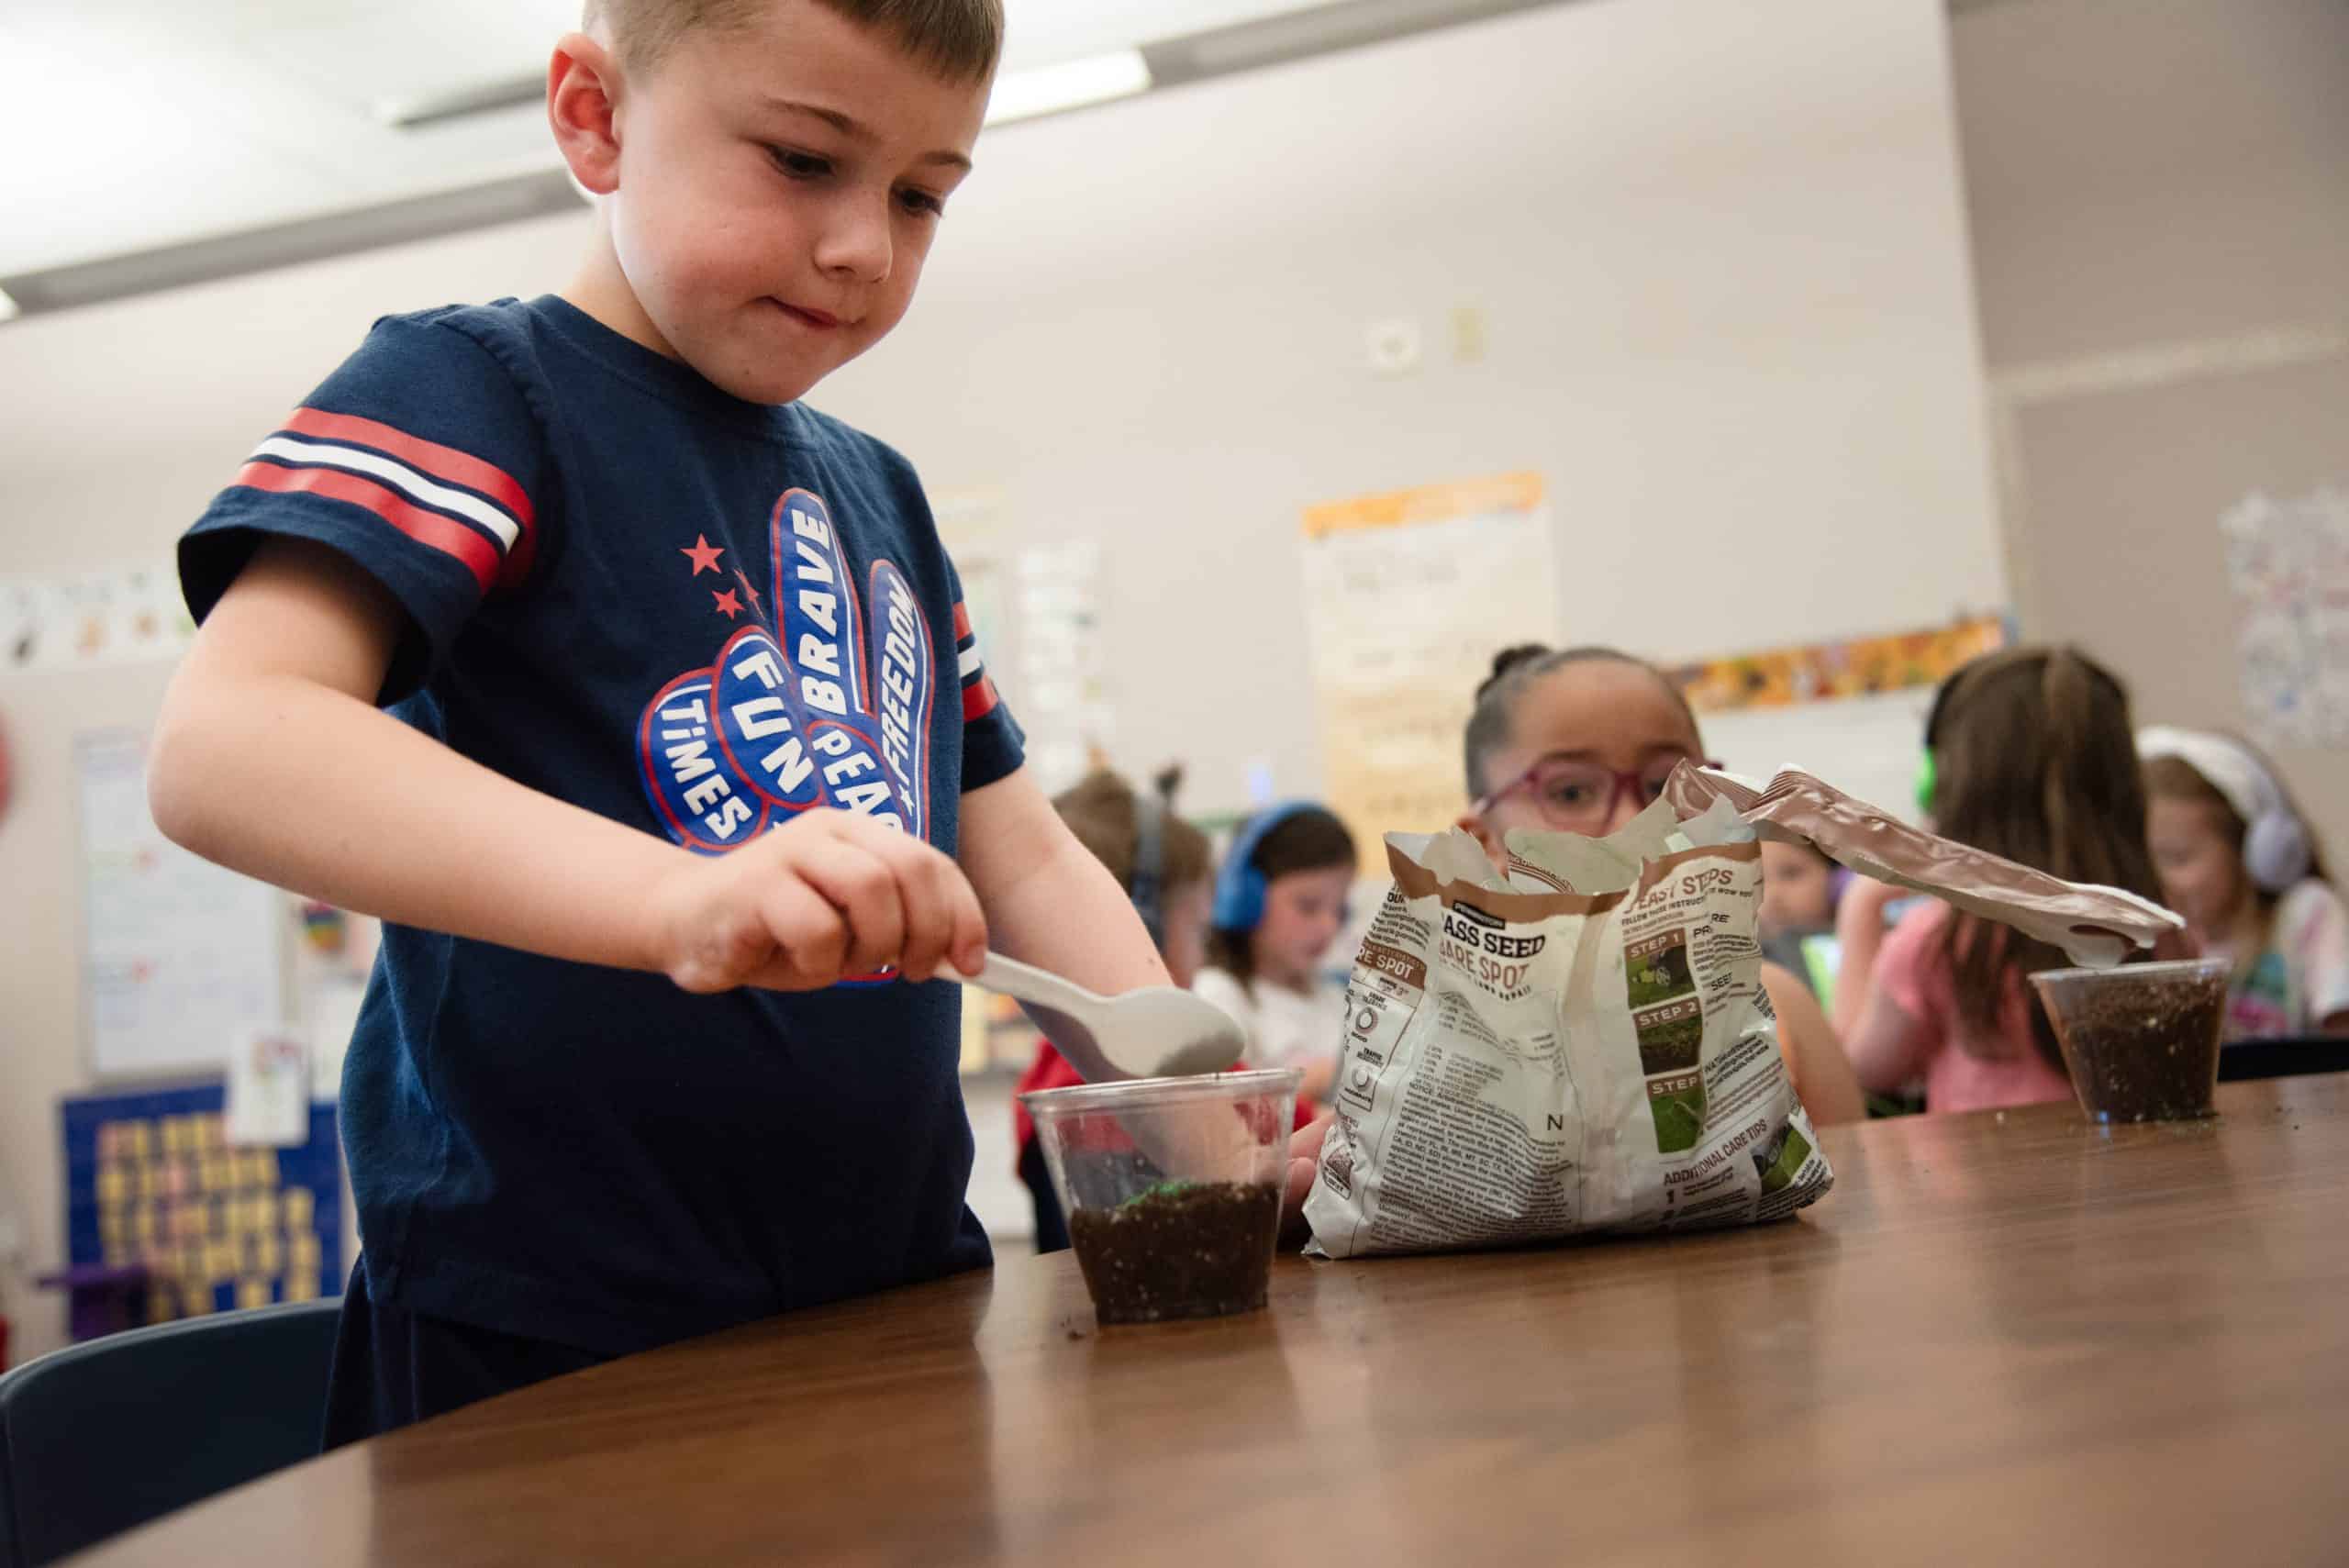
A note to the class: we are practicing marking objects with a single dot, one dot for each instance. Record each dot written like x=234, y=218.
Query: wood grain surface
x=2007, y=1337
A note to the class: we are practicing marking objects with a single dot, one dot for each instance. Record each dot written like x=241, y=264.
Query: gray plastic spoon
x=1158, y=1031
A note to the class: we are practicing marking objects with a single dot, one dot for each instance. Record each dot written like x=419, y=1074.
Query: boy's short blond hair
x=958, y=39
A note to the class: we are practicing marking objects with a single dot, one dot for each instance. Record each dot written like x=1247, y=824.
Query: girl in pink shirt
x=2033, y=758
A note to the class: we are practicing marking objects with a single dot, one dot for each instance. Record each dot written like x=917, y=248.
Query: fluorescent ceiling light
x=1018, y=94
x=1073, y=85
x=311, y=238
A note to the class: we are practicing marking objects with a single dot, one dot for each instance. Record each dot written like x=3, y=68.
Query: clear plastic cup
x=2142, y=1040
x=1172, y=1187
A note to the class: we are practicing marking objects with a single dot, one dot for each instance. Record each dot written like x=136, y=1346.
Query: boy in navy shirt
x=691, y=778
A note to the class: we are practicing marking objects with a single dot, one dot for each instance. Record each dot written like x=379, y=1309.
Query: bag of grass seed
x=1584, y=1045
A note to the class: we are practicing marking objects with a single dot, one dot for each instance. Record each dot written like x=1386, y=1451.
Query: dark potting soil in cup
x=2147, y=1050
x=1181, y=1250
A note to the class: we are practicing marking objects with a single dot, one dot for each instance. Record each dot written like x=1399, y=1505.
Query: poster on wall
x=1851, y=711
x=21, y=605
x=125, y=615
x=1035, y=612
x=180, y=958
x=1849, y=668
x=1408, y=596
x=2289, y=561
x=1062, y=695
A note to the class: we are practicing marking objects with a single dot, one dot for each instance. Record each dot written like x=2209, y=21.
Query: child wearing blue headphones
x=2239, y=861
x=1280, y=901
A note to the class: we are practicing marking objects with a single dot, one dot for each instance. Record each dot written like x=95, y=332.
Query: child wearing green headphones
x=2033, y=757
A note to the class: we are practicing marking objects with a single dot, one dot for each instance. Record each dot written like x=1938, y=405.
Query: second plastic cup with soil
x=1172, y=1187
x=2142, y=1040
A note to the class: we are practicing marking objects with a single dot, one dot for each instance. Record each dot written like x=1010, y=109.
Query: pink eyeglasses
x=1575, y=795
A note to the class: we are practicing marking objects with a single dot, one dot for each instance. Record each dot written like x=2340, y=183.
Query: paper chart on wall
x=181, y=959
x=125, y=615
x=1409, y=595
x=1062, y=685
x=2289, y=563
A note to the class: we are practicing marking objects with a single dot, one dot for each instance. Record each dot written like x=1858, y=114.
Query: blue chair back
x=106, y=1435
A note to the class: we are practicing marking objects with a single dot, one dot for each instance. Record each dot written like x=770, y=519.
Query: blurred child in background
x=1280, y=901
x=2238, y=859
x=1165, y=866
x=2033, y=758
x=1795, y=918
x=1581, y=740
x=1799, y=886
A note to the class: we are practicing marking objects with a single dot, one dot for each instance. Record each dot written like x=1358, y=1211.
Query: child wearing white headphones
x=2239, y=861
x=1280, y=901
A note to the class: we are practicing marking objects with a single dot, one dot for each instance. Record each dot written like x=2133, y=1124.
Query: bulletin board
x=180, y=958
x=1848, y=668
x=150, y=1178
x=1850, y=712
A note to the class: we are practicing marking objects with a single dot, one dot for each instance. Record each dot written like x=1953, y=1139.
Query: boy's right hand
x=825, y=896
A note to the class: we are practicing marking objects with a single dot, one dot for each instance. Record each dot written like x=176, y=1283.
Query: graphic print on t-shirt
x=806, y=701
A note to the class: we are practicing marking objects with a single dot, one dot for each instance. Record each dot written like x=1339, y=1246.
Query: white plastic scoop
x=1158, y=1031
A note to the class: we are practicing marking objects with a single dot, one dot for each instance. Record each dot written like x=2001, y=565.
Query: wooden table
x=2003, y=1338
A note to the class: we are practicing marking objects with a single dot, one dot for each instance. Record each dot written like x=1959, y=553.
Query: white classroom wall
x=2160, y=219
x=1720, y=255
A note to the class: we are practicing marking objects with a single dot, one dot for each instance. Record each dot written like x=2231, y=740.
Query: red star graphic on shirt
x=702, y=554
x=728, y=602
x=752, y=594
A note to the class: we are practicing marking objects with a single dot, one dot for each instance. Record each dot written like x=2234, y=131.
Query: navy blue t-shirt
x=697, y=617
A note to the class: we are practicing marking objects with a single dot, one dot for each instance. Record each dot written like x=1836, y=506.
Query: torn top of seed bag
x=2096, y=927
x=1540, y=860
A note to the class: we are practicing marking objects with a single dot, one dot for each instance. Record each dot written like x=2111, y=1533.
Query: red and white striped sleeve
x=417, y=459
x=979, y=696
x=992, y=745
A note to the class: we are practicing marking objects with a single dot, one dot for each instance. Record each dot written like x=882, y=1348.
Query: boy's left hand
x=1304, y=1160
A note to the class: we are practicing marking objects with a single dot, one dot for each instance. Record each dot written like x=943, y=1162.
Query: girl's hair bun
x=1508, y=659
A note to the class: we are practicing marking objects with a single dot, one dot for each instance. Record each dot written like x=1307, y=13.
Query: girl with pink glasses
x=1580, y=740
